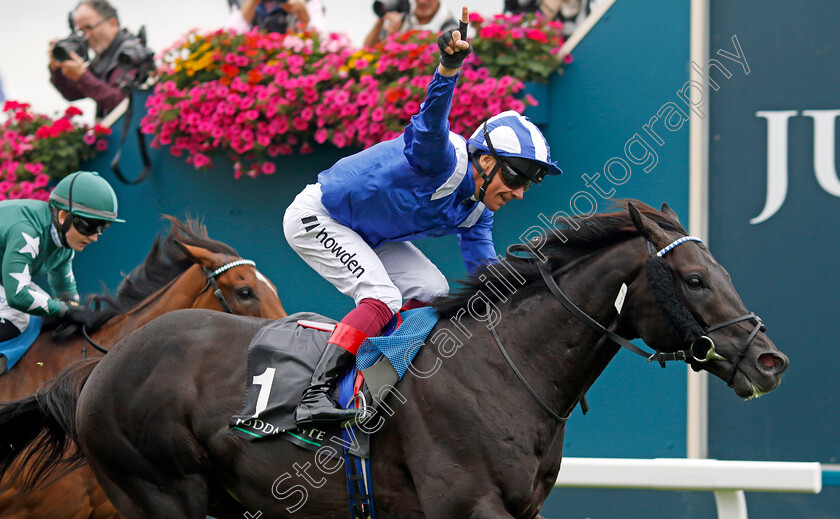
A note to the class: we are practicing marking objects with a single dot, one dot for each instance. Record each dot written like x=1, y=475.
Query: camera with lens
x=74, y=43
x=133, y=52
x=134, y=55
x=380, y=7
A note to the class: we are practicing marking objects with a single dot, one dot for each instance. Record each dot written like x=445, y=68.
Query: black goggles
x=89, y=226
x=517, y=172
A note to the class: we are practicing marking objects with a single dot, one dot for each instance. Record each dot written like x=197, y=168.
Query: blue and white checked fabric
x=676, y=242
x=401, y=346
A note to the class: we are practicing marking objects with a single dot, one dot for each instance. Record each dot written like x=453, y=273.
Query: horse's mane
x=165, y=262
x=583, y=236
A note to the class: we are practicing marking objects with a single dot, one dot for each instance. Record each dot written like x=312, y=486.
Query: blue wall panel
x=785, y=266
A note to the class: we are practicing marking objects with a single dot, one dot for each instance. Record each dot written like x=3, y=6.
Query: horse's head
x=235, y=283
x=686, y=303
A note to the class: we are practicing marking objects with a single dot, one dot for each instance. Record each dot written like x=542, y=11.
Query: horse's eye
x=694, y=282
x=245, y=293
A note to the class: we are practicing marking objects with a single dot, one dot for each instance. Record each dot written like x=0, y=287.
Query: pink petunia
x=34, y=168
x=268, y=168
x=200, y=160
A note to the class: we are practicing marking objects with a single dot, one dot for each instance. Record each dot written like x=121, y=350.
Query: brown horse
x=475, y=431
x=177, y=273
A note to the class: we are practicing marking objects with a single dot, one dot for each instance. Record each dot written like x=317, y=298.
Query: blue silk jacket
x=418, y=185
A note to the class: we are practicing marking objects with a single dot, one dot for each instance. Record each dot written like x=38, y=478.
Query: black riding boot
x=316, y=407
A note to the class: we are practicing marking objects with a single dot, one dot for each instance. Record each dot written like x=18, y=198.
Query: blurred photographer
x=275, y=15
x=404, y=15
x=571, y=12
x=121, y=60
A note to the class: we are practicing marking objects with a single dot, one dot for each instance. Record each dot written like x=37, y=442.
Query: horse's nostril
x=768, y=360
x=773, y=363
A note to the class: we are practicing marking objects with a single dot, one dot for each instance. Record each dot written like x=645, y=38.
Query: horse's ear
x=198, y=255
x=649, y=229
x=670, y=213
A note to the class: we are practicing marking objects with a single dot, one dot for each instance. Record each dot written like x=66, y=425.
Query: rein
x=211, y=281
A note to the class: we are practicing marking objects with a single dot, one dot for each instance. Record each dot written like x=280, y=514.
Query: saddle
x=283, y=355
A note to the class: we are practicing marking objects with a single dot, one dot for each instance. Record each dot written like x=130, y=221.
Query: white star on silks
x=32, y=245
x=39, y=300
x=23, y=279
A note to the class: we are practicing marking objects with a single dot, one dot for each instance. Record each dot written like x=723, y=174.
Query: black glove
x=75, y=318
x=83, y=316
x=456, y=60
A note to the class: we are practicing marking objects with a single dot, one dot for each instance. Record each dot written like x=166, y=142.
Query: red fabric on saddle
x=347, y=337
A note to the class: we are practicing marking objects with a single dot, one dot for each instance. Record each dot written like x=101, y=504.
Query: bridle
x=211, y=282
x=701, y=347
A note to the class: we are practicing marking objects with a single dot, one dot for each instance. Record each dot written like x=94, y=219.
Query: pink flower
x=89, y=138
x=101, y=145
x=200, y=160
x=321, y=135
x=34, y=168
x=41, y=180
x=268, y=168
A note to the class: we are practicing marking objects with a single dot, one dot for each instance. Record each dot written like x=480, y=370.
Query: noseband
x=211, y=281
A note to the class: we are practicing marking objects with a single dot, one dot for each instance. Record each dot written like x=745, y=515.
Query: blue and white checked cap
x=513, y=135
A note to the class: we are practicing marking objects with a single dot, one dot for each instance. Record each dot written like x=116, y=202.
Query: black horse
x=476, y=430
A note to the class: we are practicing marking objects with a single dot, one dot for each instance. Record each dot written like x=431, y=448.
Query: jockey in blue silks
x=355, y=225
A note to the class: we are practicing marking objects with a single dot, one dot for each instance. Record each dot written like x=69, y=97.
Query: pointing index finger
x=465, y=20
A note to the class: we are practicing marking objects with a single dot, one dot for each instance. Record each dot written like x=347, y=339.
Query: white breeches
x=391, y=273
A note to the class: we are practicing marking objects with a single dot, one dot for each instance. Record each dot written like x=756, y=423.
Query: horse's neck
x=179, y=293
x=558, y=354
x=579, y=354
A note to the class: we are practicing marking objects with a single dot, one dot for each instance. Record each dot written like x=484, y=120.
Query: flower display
x=257, y=95
x=36, y=148
x=524, y=46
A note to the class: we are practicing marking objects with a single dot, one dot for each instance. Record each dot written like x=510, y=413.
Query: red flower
x=536, y=35
x=254, y=76
x=44, y=132
x=71, y=111
x=101, y=130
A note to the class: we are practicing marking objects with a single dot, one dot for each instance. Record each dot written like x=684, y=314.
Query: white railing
x=727, y=479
